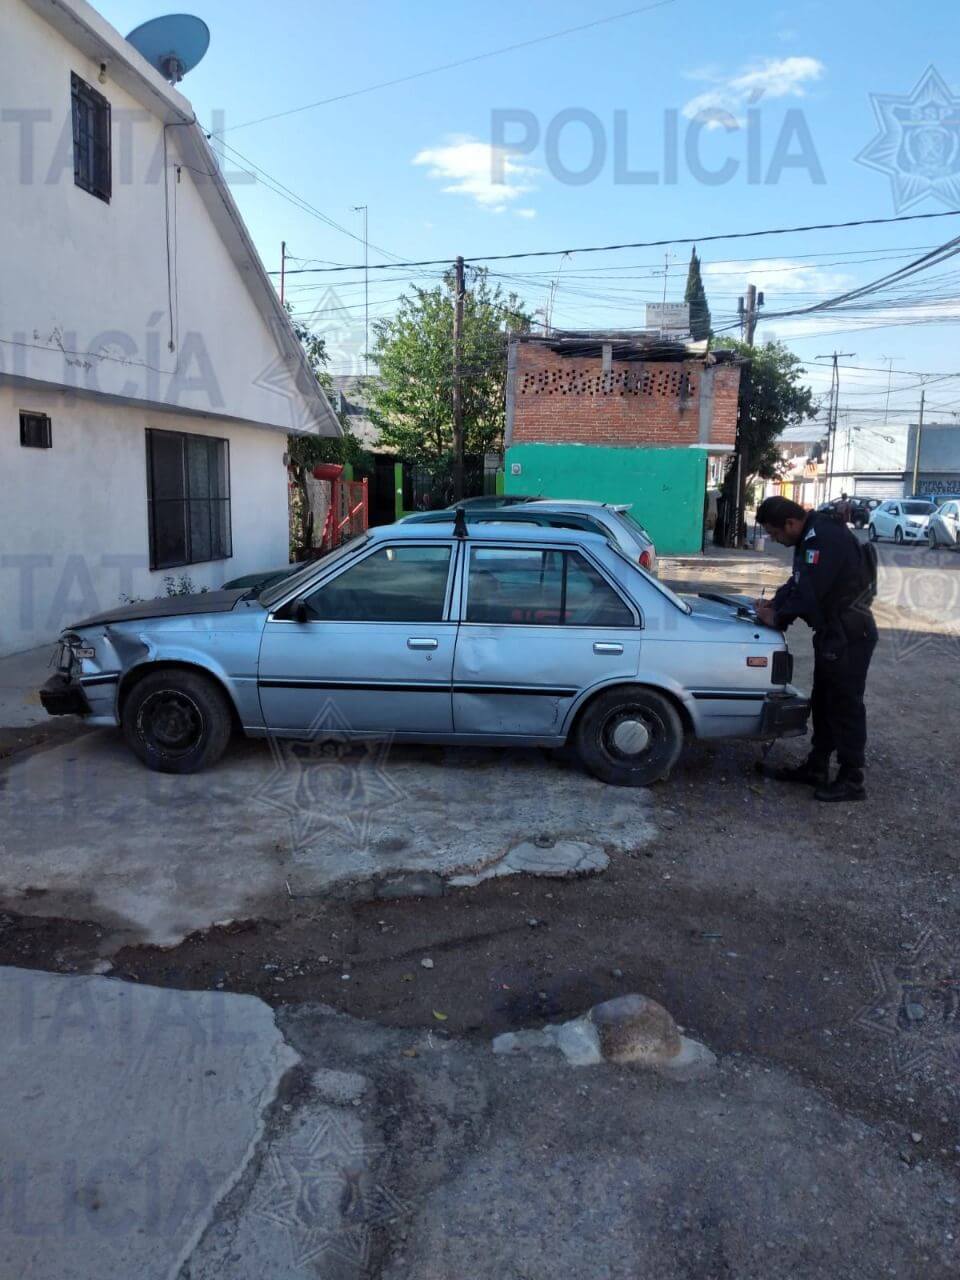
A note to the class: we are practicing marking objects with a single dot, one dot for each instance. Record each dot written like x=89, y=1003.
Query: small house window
x=188, y=499
x=35, y=431
x=91, y=139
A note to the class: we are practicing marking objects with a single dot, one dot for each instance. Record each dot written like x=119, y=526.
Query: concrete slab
x=126, y=1115
x=21, y=675
x=157, y=857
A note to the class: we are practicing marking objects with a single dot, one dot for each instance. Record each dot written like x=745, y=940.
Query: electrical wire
x=640, y=244
x=450, y=66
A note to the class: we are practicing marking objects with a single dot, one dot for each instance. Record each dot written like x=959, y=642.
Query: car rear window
x=632, y=523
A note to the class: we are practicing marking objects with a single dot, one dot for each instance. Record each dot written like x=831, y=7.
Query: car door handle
x=601, y=647
x=421, y=642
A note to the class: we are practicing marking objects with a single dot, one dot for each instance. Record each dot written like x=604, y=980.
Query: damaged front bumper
x=785, y=714
x=61, y=695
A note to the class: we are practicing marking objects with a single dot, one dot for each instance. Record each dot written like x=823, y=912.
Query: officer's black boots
x=814, y=772
x=847, y=785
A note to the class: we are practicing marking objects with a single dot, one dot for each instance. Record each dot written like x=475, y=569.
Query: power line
x=449, y=66
x=639, y=244
x=280, y=188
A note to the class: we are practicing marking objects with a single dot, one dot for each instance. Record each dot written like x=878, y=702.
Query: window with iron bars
x=91, y=139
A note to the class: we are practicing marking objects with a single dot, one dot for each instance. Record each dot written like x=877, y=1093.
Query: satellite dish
x=173, y=45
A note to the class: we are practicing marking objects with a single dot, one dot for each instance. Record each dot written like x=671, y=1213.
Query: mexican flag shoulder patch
x=813, y=557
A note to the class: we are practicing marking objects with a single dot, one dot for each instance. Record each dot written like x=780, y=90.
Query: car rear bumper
x=785, y=714
x=63, y=696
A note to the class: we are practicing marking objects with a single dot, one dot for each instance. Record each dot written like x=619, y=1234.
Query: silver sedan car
x=944, y=527
x=491, y=635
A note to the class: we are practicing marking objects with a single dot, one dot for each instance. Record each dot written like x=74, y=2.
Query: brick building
x=625, y=418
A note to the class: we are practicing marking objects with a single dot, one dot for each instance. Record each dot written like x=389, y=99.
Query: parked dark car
x=860, y=509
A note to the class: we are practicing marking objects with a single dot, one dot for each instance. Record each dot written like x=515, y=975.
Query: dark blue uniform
x=830, y=592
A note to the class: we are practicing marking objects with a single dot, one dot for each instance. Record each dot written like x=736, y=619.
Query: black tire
x=932, y=542
x=632, y=712
x=874, y=536
x=898, y=536
x=177, y=721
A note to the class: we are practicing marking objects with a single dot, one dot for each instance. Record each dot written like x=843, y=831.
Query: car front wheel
x=629, y=737
x=874, y=536
x=898, y=536
x=177, y=721
x=932, y=539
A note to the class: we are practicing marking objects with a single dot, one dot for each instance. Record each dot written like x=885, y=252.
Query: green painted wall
x=666, y=486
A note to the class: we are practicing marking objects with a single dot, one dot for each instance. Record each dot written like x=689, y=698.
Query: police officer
x=831, y=588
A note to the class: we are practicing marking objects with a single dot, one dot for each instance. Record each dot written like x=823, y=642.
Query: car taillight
x=782, y=670
x=645, y=560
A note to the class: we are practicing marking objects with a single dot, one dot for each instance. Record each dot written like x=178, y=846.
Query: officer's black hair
x=777, y=511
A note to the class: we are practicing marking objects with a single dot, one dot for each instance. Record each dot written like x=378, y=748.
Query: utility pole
x=458, y=382
x=362, y=208
x=833, y=412
x=916, y=447
x=748, y=324
x=283, y=272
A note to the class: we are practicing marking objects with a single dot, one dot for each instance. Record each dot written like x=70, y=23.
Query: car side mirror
x=293, y=611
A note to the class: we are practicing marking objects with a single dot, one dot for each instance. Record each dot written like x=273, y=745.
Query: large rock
x=628, y=1029
x=635, y=1028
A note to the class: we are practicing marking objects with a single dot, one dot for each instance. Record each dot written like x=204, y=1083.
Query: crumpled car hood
x=165, y=607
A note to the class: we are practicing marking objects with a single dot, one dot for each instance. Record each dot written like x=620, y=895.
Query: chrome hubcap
x=630, y=736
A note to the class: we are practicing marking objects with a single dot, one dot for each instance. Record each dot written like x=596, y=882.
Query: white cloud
x=489, y=175
x=779, y=276
x=771, y=78
x=525, y=213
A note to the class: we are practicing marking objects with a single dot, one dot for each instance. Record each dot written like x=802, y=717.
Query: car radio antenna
x=460, y=524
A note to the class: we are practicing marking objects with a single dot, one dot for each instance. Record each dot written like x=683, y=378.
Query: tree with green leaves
x=773, y=397
x=411, y=399
x=696, y=296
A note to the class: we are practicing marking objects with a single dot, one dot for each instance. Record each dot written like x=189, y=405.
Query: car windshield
x=919, y=508
x=292, y=581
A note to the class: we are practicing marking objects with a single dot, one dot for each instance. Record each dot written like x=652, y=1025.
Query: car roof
x=516, y=532
x=559, y=504
x=484, y=515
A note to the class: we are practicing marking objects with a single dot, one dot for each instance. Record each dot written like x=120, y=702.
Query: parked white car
x=944, y=527
x=902, y=519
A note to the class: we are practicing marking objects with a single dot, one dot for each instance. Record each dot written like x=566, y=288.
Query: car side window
x=534, y=586
x=395, y=584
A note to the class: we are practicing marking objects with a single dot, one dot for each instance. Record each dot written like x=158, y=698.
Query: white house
x=148, y=374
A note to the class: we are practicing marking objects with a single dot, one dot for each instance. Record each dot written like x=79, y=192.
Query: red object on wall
x=561, y=395
x=328, y=471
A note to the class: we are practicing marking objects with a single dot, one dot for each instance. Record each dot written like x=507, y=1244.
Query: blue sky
x=418, y=154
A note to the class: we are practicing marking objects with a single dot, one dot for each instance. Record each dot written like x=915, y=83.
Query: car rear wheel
x=898, y=536
x=176, y=721
x=629, y=737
